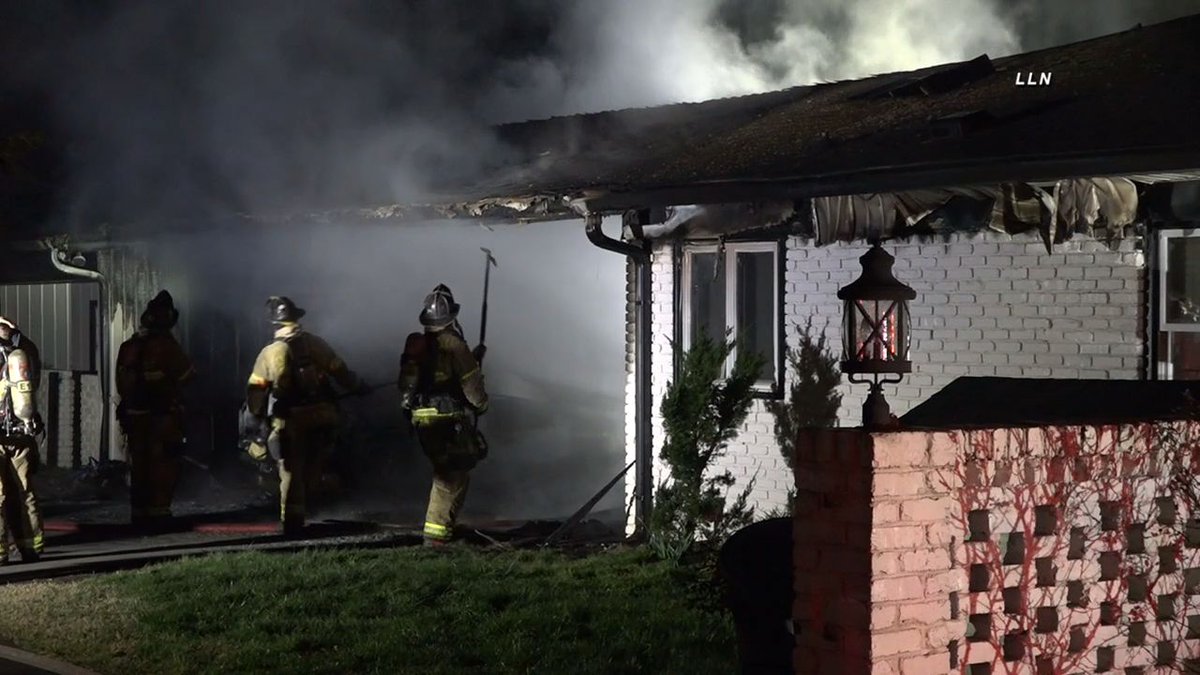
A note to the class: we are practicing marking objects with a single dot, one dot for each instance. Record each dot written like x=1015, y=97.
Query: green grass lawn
x=396, y=611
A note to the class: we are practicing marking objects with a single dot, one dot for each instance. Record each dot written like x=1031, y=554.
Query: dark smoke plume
x=174, y=113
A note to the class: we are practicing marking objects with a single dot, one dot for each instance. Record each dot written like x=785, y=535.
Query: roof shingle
x=1126, y=95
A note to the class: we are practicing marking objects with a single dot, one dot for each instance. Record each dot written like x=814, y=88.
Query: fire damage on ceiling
x=1108, y=209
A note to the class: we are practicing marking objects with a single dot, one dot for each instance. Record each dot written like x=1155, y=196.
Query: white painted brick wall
x=662, y=329
x=987, y=305
x=630, y=394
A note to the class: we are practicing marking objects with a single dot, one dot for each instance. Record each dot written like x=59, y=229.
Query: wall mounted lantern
x=875, y=331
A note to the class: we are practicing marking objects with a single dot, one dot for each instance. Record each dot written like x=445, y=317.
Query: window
x=1178, y=339
x=734, y=287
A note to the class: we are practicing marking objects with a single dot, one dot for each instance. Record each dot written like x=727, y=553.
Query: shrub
x=702, y=413
x=813, y=399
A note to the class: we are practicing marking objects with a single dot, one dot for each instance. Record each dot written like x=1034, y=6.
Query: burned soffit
x=1100, y=207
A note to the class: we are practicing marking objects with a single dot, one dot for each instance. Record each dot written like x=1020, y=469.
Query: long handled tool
x=488, y=262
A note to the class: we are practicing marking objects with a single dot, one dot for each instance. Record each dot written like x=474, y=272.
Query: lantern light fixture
x=876, y=331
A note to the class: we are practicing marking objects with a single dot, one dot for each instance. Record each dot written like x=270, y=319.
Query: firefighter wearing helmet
x=442, y=392
x=152, y=369
x=20, y=373
x=290, y=411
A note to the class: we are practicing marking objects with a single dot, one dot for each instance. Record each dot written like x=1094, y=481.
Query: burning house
x=1045, y=230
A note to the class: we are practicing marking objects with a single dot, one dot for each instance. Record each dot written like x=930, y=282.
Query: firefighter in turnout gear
x=20, y=373
x=290, y=399
x=442, y=392
x=151, y=370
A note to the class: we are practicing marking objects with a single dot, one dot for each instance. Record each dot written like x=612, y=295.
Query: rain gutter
x=640, y=273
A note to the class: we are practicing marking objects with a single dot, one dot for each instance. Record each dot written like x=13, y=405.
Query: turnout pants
x=153, y=444
x=453, y=450
x=305, y=445
x=19, y=513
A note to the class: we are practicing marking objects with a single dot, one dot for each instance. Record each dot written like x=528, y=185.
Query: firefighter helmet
x=160, y=312
x=440, y=308
x=283, y=310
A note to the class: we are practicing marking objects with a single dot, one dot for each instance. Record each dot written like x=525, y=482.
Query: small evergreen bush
x=702, y=412
x=813, y=398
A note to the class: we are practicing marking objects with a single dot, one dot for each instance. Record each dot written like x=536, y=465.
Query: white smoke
x=193, y=110
x=637, y=53
x=634, y=53
x=175, y=109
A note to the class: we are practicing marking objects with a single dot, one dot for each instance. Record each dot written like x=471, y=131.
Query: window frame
x=1164, y=236
x=1161, y=366
x=770, y=388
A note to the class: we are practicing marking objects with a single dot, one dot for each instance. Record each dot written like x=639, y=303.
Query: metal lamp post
x=875, y=332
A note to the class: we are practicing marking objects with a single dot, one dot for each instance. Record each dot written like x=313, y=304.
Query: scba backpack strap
x=307, y=378
x=433, y=406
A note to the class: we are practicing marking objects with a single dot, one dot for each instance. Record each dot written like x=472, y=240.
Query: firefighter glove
x=479, y=352
x=257, y=451
x=34, y=425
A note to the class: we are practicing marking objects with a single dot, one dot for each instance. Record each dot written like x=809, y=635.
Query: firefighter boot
x=445, y=499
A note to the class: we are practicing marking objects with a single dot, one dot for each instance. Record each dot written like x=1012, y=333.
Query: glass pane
x=850, y=343
x=904, y=340
x=877, y=335
x=707, y=297
x=1183, y=280
x=1184, y=356
x=756, y=323
x=890, y=331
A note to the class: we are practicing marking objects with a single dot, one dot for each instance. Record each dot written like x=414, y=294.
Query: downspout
x=57, y=258
x=643, y=449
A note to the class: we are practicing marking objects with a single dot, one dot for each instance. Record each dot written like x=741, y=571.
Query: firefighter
x=20, y=373
x=151, y=371
x=290, y=407
x=442, y=393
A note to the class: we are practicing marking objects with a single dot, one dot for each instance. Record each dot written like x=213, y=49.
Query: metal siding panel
x=79, y=330
x=31, y=309
x=72, y=324
x=51, y=334
x=56, y=317
x=62, y=322
x=22, y=305
x=45, y=329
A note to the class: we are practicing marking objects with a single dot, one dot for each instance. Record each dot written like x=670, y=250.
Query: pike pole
x=488, y=262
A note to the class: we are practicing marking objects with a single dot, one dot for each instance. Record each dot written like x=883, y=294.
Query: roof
x=1118, y=104
x=1019, y=402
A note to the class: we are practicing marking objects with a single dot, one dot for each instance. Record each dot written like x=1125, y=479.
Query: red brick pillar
x=874, y=544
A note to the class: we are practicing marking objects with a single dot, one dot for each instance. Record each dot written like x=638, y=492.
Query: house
x=1044, y=228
